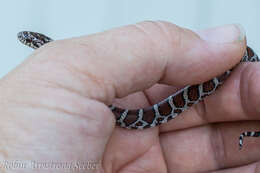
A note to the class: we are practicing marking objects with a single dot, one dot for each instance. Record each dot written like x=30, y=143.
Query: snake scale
x=168, y=108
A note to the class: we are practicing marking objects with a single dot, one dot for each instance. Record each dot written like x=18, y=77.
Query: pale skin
x=54, y=105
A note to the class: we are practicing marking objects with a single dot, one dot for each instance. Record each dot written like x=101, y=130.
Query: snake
x=168, y=108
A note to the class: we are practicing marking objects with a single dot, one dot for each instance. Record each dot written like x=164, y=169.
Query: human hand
x=54, y=104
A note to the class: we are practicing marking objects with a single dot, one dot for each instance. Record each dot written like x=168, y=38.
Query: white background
x=62, y=19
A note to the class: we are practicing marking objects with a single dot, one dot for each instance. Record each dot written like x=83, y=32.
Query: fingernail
x=224, y=34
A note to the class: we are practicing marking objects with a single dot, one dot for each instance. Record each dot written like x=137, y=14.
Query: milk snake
x=165, y=110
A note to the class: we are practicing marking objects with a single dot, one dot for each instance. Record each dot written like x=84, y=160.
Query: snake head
x=33, y=39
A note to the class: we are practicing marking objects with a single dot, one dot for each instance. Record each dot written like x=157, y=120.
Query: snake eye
x=25, y=34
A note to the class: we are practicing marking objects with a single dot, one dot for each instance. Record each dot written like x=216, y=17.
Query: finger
x=236, y=100
x=209, y=148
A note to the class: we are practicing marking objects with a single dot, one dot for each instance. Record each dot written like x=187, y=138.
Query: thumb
x=136, y=57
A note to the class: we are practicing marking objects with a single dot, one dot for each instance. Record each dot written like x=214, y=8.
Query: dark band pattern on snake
x=165, y=110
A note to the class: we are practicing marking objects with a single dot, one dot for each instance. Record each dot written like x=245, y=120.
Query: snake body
x=165, y=110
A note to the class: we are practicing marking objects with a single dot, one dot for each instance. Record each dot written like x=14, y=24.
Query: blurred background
x=62, y=19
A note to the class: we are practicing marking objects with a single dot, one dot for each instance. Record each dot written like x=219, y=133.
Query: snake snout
x=20, y=37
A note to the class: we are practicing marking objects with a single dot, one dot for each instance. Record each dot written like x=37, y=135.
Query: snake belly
x=163, y=111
